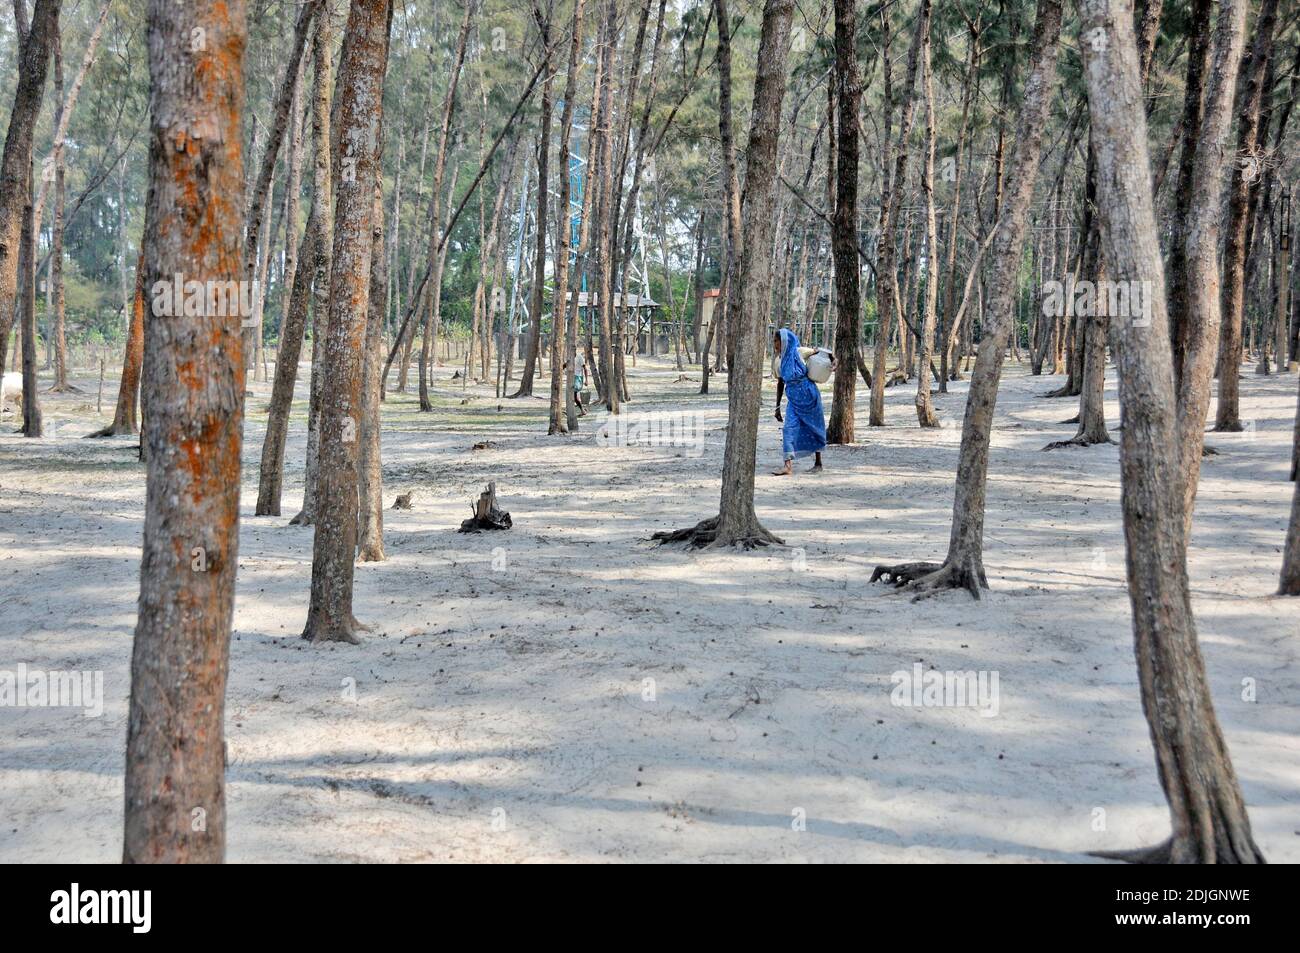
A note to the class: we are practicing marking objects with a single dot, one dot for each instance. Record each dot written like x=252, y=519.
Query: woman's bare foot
x=787, y=471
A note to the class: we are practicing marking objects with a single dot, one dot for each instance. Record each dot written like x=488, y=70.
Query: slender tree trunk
x=543, y=200
x=1198, y=63
x=1207, y=812
x=1227, y=414
x=605, y=187
x=964, y=565
x=322, y=244
x=175, y=747
x=370, y=478
x=947, y=323
x=128, y=390
x=56, y=312
x=437, y=241
x=33, y=425
x=1200, y=327
x=844, y=231
x=254, y=225
x=15, y=166
x=887, y=256
x=562, y=370
x=737, y=523
x=359, y=119
x=728, y=305
x=924, y=405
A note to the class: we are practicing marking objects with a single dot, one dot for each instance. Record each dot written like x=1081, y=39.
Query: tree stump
x=487, y=515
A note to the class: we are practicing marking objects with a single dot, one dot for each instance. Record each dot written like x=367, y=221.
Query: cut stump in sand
x=487, y=515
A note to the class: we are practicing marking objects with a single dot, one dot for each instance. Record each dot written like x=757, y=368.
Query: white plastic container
x=819, y=366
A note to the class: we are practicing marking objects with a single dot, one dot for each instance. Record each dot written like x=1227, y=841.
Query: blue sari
x=804, y=432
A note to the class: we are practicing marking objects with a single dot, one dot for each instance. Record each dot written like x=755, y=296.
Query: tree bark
x=359, y=127
x=1198, y=63
x=33, y=425
x=194, y=393
x=1200, y=327
x=128, y=390
x=370, y=477
x=1207, y=812
x=15, y=166
x=543, y=201
x=1227, y=414
x=964, y=565
x=844, y=232
x=887, y=256
x=437, y=241
x=562, y=370
x=737, y=523
x=254, y=231
x=924, y=405
x=322, y=247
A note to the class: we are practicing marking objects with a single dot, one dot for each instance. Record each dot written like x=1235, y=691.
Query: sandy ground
x=568, y=691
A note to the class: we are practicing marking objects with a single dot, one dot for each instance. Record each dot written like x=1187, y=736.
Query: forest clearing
x=650, y=431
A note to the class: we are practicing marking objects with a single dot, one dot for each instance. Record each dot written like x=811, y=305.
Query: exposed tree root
x=64, y=389
x=1158, y=854
x=903, y=573
x=928, y=579
x=1063, y=391
x=1227, y=851
x=302, y=519
x=1072, y=420
x=1076, y=442
x=113, y=430
x=340, y=633
x=705, y=533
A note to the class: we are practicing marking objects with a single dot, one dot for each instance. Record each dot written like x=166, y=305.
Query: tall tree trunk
x=562, y=369
x=1207, y=812
x=924, y=406
x=725, y=313
x=964, y=565
x=737, y=523
x=370, y=477
x=844, y=230
x=947, y=324
x=55, y=299
x=33, y=425
x=605, y=200
x=271, y=472
x=323, y=171
x=359, y=120
x=293, y=321
x=255, y=237
x=543, y=200
x=175, y=746
x=128, y=389
x=887, y=255
x=1201, y=299
x=1227, y=414
x=15, y=166
x=433, y=293
x=1198, y=63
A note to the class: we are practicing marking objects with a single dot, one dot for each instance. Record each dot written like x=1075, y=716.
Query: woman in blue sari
x=804, y=430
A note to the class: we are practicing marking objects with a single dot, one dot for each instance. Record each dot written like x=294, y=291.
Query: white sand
x=505, y=713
